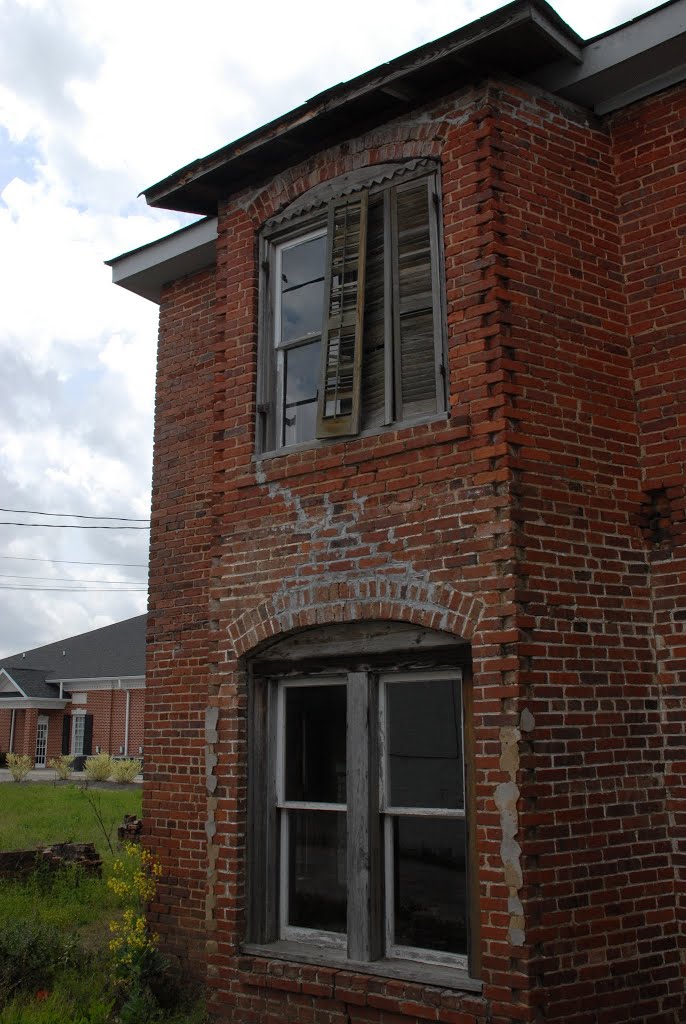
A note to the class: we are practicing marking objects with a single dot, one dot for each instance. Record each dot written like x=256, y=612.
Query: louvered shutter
x=414, y=302
x=88, y=734
x=377, y=387
x=66, y=734
x=338, y=412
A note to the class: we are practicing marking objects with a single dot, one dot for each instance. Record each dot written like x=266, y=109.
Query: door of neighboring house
x=41, y=741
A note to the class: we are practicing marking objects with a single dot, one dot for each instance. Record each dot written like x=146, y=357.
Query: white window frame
x=43, y=722
x=78, y=716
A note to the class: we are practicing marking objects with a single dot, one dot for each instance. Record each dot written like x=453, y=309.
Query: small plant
x=98, y=768
x=19, y=765
x=126, y=770
x=61, y=765
x=31, y=954
x=137, y=964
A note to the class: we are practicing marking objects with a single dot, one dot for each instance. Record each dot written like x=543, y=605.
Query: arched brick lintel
x=358, y=601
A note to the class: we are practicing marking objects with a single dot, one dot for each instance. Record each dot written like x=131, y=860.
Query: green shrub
x=31, y=954
x=126, y=770
x=62, y=765
x=19, y=765
x=98, y=768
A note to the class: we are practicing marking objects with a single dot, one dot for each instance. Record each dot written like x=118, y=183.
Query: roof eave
x=387, y=91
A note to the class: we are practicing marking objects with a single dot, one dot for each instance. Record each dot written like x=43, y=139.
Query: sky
x=97, y=102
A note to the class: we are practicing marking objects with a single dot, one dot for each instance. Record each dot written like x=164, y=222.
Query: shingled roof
x=116, y=650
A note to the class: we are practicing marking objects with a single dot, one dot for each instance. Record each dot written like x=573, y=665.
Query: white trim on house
x=40, y=703
x=4, y=688
x=102, y=683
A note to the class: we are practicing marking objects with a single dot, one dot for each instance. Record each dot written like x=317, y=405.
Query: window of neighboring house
x=78, y=732
x=362, y=831
x=352, y=334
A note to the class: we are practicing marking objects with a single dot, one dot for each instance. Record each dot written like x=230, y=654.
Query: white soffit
x=146, y=270
x=625, y=64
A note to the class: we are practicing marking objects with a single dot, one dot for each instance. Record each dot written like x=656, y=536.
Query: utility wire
x=67, y=561
x=71, y=515
x=64, y=579
x=74, y=526
x=75, y=590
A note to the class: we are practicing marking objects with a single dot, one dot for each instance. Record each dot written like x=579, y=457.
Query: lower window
x=361, y=836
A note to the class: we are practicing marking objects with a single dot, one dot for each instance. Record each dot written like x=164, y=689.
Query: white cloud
x=100, y=101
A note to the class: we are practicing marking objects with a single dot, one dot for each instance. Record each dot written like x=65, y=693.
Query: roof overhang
x=626, y=64
x=145, y=271
x=519, y=38
x=105, y=683
x=40, y=703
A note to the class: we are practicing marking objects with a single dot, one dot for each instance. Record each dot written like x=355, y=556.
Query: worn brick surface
x=542, y=522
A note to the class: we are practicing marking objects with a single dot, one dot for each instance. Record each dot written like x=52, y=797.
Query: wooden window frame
x=368, y=941
x=270, y=382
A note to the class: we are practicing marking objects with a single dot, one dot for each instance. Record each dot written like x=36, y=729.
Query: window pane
x=302, y=289
x=301, y=381
x=317, y=870
x=430, y=884
x=425, y=744
x=315, y=743
x=79, y=723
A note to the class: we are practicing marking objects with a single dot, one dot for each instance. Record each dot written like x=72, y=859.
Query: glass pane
x=301, y=382
x=425, y=744
x=302, y=289
x=430, y=884
x=317, y=870
x=315, y=743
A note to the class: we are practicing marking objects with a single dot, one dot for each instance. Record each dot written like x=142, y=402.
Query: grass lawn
x=54, y=927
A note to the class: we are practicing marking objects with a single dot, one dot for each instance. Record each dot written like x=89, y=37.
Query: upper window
x=352, y=324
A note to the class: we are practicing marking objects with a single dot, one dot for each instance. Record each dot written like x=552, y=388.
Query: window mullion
x=363, y=845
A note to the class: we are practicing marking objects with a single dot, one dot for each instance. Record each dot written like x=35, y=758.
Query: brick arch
x=348, y=601
x=398, y=141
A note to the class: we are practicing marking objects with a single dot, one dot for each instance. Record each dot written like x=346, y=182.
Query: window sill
x=404, y=970
x=323, y=443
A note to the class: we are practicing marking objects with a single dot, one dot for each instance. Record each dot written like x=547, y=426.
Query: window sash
x=369, y=819
x=78, y=733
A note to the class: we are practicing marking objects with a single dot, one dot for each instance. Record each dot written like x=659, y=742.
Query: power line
x=65, y=579
x=68, y=561
x=67, y=525
x=71, y=515
x=75, y=590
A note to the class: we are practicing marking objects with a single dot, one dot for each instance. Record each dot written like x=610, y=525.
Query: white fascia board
x=40, y=703
x=145, y=271
x=12, y=684
x=102, y=683
x=626, y=64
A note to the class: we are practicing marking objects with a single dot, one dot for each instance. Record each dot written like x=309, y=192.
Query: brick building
x=416, y=661
x=78, y=696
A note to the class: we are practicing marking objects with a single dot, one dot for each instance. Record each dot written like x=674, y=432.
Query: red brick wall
x=515, y=524
x=178, y=654
x=652, y=190
x=5, y=727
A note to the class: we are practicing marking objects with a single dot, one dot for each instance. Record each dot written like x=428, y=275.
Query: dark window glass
x=430, y=883
x=301, y=373
x=317, y=859
x=315, y=743
x=425, y=744
x=302, y=289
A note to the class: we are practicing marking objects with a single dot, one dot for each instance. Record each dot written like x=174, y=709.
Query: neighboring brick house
x=78, y=696
x=417, y=664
